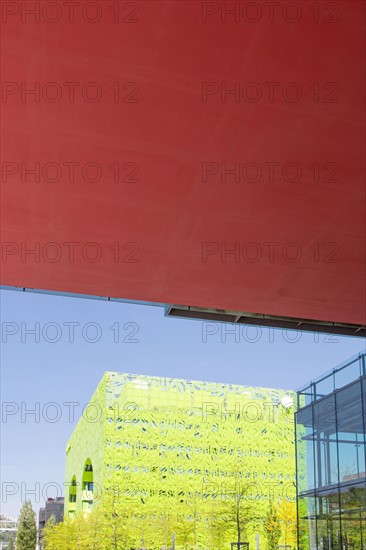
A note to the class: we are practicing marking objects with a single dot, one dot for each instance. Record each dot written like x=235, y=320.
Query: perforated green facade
x=183, y=449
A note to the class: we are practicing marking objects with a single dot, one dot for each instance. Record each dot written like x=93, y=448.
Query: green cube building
x=186, y=452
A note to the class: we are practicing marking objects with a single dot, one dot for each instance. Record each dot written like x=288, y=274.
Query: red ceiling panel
x=157, y=127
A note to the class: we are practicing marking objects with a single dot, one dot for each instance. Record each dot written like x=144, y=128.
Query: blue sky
x=59, y=369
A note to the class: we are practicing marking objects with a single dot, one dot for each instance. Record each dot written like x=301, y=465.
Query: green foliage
x=272, y=527
x=111, y=514
x=26, y=538
x=239, y=512
x=68, y=535
x=118, y=525
x=6, y=537
x=281, y=524
x=11, y=544
x=286, y=511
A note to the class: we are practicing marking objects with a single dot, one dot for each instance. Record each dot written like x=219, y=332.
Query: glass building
x=331, y=455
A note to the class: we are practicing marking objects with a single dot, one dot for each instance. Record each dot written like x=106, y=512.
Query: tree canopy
x=26, y=538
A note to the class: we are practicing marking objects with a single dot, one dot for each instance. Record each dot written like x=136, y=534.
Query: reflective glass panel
x=325, y=442
x=351, y=437
x=305, y=450
x=348, y=374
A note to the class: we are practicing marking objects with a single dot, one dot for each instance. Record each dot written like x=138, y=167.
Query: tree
x=26, y=538
x=114, y=510
x=187, y=523
x=239, y=510
x=11, y=544
x=110, y=524
x=286, y=511
x=94, y=527
x=217, y=522
x=58, y=536
x=68, y=534
x=184, y=530
x=272, y=527
x=164, y=524
x=49, y=524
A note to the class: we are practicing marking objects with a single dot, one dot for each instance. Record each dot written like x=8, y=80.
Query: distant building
x=53, y=507
x=8, y=530
x=171, y=443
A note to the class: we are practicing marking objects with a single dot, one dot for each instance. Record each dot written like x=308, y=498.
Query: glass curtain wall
x=331, y=460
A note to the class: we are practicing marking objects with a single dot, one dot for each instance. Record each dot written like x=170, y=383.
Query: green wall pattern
x=182, y=449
